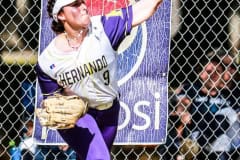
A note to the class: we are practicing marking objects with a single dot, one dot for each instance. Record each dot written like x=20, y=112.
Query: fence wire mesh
x=203, y=83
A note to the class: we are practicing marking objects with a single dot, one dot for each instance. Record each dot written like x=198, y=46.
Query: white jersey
x=90, y=72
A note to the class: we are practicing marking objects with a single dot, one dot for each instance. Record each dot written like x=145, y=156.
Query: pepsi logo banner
x=143, y=60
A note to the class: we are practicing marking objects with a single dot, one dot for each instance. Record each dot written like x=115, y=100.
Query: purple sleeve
x=117, y=25
x=46, y=83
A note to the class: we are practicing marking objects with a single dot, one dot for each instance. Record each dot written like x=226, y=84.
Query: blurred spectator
x=179, y=139
x=28, y=145
x=210, y=108
x=230, y=77
x=14, y=151
x=231, y=91
x=30, y=150
x=53, y=152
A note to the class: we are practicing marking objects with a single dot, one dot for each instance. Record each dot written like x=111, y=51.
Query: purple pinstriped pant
x=93, y=135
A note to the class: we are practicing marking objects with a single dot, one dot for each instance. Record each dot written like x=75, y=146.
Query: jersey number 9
x=106, y=77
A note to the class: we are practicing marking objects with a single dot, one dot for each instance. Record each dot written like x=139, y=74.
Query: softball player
x=81, y=60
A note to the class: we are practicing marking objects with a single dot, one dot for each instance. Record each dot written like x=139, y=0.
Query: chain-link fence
x=203, y=82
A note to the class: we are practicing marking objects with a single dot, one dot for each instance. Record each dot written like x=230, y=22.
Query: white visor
x=58, y=5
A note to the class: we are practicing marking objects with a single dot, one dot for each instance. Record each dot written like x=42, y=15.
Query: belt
x=106, y=105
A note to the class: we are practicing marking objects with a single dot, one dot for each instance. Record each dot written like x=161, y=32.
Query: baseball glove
x=61, y=112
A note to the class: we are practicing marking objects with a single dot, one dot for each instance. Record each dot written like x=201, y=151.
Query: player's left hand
x=61, y=112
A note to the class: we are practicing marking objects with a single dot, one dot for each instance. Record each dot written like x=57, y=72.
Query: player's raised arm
x=143, y=10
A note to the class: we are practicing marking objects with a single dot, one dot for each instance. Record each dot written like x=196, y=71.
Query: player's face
x=76, y=14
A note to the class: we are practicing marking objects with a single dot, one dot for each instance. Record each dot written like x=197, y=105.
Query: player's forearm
x=143, y=10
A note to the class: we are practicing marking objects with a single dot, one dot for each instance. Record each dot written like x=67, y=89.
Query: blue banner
x=143, y=81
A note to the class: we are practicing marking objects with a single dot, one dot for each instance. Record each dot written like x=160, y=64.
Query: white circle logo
x=130, y=55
